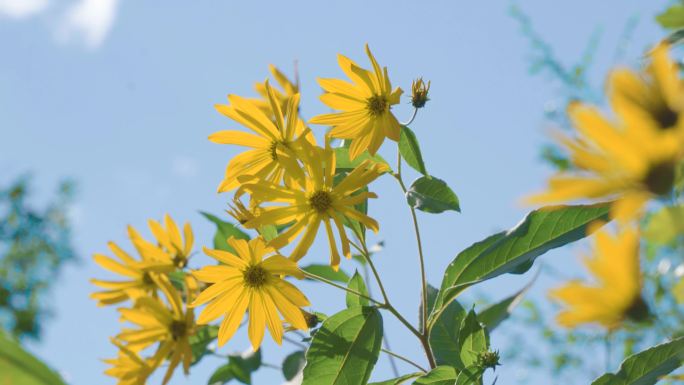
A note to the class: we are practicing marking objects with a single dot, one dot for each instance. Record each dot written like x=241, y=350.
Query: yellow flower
x=271, y=154
x=366, y=118
x=654, y=98
x=289, y=89
x=251, y=281
x=240, y=212
x=616, y=295
x=419, y=93
x=170, y=253
x=129, y=368
x=317, y=200
x=140, y=281
x=170, y=325
x=630, y=164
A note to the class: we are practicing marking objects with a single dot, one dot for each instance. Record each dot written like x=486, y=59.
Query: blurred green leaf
x=21, y=368
x=432, y=195
x=665, y=225
x=199, y=342
x=343, y=163
x=672, y=18
x=327, y=272
x=293, y=364
x=410, y=150
x=224, y=230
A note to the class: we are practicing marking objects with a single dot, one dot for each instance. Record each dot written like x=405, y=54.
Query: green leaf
x=542, y=230
x=239, y=367
x=445, y=331
x=665, y=225
x=356, y=283
x=177, y=279
x=327, y=272
x=398, y=380
x=647, y=367
x=672, y=18
x=293, y=364
x=496, y=313
x=473, y=339
x=432, y=195
x=345, y=349
x=20, y=367
x=342, y=161
x=224, y=230
x=201, y=340
x=410, y=151
x=269, y=232
x=469, y=376
x=441, y=375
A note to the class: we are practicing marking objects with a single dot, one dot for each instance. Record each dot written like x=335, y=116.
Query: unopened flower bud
x=419, y=93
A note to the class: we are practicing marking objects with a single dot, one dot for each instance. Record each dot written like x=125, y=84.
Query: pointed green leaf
x=647, y=367
x=398, y=380
x=441, y=375
x=496, y=313
x=473, y=339
x=345, y=348
x=293, y=364
x=356, y=283
x=327, y=272
x=445, y=331
x=17, y=366
x=541, y=230
x=224, y=230
x=199, y=342
x=410, y=151
x=432, y=195
x=672, y=18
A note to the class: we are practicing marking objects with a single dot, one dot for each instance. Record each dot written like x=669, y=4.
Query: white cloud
x=21, y=9
x=89, y=20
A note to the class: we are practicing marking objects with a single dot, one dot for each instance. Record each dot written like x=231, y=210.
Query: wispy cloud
x=21, y=9
x=89, y=21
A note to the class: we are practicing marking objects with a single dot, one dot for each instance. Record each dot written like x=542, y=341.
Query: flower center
x=320, y=201
x=274, y=148
x=178, y=329
x=147, y=279
x=180, y=261
x=255, y=276
x=660, y=178
x=666, y=117
x=638, y=311
x=377, y=105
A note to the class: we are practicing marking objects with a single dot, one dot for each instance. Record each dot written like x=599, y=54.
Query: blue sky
x=119, y=95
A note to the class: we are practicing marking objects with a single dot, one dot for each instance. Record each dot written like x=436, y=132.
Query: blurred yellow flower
x=169, y=324
x=317, y=200
x=365, y=106
x=251, y=281
x=654, y=98
x=129, y=368
x=170, y=248
x=616, y=294
x=271, y=156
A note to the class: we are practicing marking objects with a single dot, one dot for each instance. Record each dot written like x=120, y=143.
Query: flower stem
x=331, y=283
x=400, y=357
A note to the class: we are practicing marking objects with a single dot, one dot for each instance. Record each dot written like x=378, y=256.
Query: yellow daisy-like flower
x=251, y=281
x=317, y=200
x=171, y=248
x=630, y=164
x=616, y=295
x=365, y=105
x=170, y=325
x=140, y=281
x=654, y=98
x=289, y=89
x=634, y=159
x=271, y=156
x=129, y=368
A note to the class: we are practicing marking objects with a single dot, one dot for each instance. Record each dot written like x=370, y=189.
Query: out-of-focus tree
x=35, y=242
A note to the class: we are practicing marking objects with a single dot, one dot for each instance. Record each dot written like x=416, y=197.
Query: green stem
x=331, y=283
x=400, y=357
